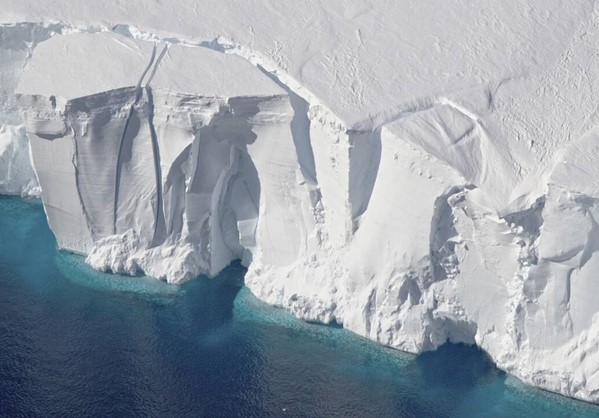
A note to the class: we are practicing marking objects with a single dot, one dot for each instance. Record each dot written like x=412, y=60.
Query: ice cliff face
x=438, y=188
x=16, y=43
x=167, y=161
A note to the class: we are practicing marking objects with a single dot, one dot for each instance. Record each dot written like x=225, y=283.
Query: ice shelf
x=417, y=171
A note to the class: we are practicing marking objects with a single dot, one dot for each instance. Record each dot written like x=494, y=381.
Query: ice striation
x=16, y=43
x=435, y=180
x=145, y=171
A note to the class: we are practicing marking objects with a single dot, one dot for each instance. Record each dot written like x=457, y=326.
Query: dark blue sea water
x=77, y=343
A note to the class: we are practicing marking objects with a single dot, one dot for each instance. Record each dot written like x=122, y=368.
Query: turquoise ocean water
x=78, y=343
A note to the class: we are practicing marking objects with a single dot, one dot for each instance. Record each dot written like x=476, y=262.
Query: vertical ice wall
x=16, y=44
x=154, y=165
x=453, y=221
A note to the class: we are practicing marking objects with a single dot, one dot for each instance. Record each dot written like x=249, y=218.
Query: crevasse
x=411, y=228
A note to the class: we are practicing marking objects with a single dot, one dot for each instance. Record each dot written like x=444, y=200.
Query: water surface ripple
x=78, y=343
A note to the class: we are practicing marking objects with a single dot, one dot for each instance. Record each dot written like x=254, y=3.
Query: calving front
x=467, y=214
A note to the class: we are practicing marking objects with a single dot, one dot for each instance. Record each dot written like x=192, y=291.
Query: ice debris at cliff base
x=454, y=203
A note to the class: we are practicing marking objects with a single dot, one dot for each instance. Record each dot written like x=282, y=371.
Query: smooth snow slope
x=361, y=59
x=417, y=171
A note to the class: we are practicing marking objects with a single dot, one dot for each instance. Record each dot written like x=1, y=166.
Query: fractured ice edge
x=175, y=159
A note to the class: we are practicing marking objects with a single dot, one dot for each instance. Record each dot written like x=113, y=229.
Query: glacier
x=415, y=171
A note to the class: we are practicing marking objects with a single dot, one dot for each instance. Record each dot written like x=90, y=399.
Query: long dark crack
x=138, y=95
x=160, y=224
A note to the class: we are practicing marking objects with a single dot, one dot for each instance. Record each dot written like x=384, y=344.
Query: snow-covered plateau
x=417, y=171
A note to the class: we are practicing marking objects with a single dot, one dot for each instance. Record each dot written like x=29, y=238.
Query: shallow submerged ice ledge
x=412, y=233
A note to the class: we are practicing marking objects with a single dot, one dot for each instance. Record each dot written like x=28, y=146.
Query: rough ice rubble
x=455, y=219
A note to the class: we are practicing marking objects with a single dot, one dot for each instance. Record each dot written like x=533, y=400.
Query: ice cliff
x=417, y=172
x=155, y=165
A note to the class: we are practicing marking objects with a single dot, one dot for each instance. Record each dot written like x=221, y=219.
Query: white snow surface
x=417, y=171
